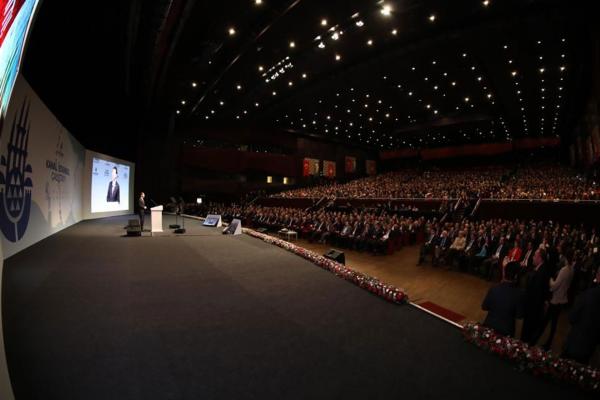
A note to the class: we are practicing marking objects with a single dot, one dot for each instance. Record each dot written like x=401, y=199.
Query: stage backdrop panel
x=41, y=167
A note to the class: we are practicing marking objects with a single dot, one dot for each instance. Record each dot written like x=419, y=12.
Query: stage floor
x=90, y=314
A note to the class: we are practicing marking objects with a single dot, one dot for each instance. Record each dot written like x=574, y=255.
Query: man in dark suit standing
x=142, y=209
x=537, y=290
x=584, y=335
x=113, y=195
x=504, y=303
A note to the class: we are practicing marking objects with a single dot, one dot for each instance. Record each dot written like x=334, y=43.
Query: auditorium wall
x=41, y=168
x=472, y=150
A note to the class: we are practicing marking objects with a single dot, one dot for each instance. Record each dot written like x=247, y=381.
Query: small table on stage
x=156, y=218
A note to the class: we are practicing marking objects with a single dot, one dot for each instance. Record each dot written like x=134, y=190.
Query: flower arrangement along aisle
x=373, y=285
x=532, y=359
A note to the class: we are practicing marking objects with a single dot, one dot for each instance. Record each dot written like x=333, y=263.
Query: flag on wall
x=310, y=166
x=371, y=167
x=329, y=169
x=350, y=164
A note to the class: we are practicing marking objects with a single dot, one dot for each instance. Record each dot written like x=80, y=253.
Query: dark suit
x=504, y=304
x=113, y=196
x=584, y=335
x=537, y=291
x=141, y=211
x=492, y=263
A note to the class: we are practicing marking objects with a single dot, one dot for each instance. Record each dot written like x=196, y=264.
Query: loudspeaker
x=336, y=255
x=133, y=228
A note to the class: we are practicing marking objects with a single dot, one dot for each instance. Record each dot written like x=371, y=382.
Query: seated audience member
x=429, y=245
x=473, y=246
x=477, y=259
x=526, y=261
x=584, y=335
x=439, y=251
x=490, y=264
x=504, y=303
x=457, y=247
x=559, y=288
x=513, y=255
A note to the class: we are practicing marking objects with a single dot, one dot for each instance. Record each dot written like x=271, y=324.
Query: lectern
x=156, y=218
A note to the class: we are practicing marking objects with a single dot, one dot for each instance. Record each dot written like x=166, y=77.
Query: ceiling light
x=194, y=84
x=486, y=3
x=432, y=18
x=183, y=102
x=466, y=99
x=274, y=93
x=323, y=22
x=290, y=83
x=394, y=31
x=292, y=44
x=321, y=45
x=514, y=73
x=239, y=87
x=258, y=2
x=338, y=57
x=370, y=42
x=231, y=31
x=304, y=76
x=386, y=10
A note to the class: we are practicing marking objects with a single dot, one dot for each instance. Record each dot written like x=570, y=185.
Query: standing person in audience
x=584, y=335
x=504, y=303
x=559, y=288
x=536, y=294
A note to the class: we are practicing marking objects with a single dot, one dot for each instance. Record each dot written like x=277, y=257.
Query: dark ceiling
x=407, y=73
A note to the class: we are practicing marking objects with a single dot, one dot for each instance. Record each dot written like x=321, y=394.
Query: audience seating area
x=552, y=262
x=544, y=181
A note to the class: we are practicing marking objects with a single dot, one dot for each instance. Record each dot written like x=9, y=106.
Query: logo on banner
x=15, y=179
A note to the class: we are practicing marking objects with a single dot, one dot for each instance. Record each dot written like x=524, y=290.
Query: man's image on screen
x=113, y=195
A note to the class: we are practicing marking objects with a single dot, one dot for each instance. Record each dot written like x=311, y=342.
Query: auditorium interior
x=300, y=199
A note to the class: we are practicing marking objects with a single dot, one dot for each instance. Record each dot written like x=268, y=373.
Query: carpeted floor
x=89, y=314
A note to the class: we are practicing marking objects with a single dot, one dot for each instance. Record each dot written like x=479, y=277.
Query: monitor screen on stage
x=110, y=186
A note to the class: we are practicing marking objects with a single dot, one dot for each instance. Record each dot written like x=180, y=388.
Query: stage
x=92, y=314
